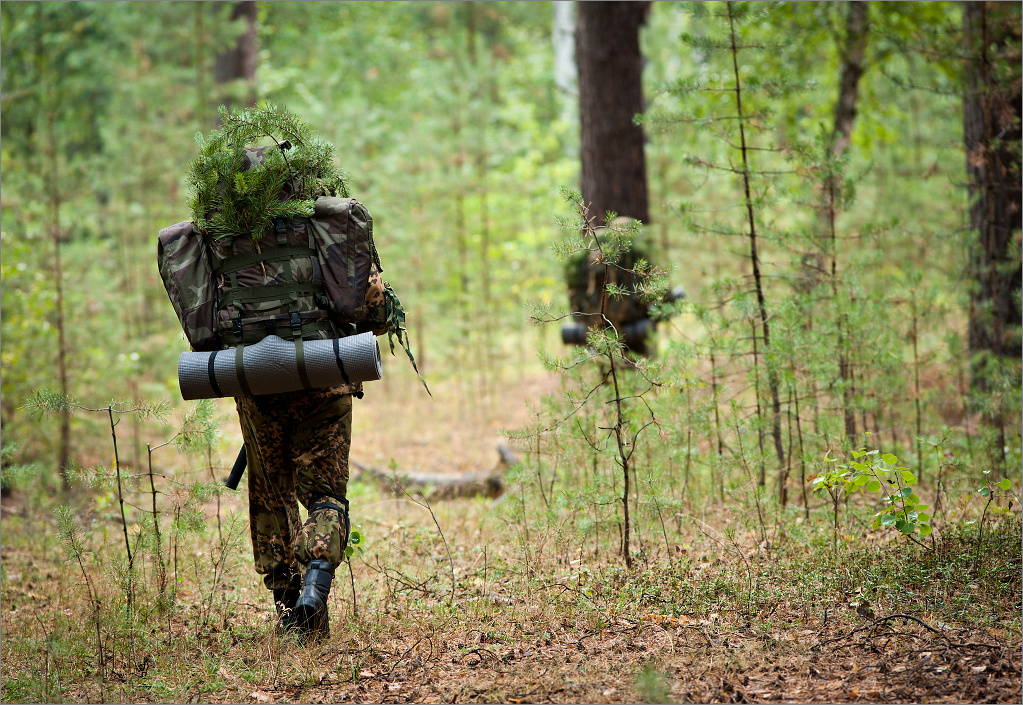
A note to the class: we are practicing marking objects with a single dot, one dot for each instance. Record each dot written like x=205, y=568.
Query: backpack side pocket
x=184, y=262
x=343, y=231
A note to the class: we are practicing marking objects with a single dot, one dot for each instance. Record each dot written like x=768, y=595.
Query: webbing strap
x=340, y=364
x=310, y=329
x=296, y=336
x=239, y=367
x=276, y=254
x=342, y=506
x=328, y=504
x=270, y=292
x=212, y=373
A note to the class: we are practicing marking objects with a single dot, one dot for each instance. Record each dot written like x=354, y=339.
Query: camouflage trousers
x=297, y=446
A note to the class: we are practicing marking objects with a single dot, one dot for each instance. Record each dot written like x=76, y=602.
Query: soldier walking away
x=274, y=266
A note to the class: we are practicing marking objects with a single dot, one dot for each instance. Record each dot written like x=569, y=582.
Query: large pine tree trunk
x=610, y=95
x=991, y=130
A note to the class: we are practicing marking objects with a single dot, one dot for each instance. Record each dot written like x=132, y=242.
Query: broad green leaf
x=913, y=499
x=904, y=492
x=908, y=477
x=906, y=527
x=888, y=520
x=873, y=486
x=984, y=491
x=858, y=453
x=922, y=517
x=1005, y=484
x=889, y=458
x=925, y=529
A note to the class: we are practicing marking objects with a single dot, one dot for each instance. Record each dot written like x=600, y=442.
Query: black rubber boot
x=311, y=617
x=284, y=602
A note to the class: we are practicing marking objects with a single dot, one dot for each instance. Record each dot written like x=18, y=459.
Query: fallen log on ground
x=446, y=485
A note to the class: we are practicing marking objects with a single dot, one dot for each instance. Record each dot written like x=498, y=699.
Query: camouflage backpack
x=275, y=245
x=307, y=278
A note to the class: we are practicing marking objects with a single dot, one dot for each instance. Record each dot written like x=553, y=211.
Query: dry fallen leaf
x=260, y=697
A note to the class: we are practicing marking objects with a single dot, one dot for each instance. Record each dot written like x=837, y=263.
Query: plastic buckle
x=296, y=324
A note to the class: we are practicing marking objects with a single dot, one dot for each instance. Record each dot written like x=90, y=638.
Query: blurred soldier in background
x=587, y=278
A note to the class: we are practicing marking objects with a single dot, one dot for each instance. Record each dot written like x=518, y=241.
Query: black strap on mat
x=340, y=364
x=212, y=374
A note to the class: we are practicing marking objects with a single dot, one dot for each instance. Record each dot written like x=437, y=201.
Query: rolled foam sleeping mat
x=271, y=367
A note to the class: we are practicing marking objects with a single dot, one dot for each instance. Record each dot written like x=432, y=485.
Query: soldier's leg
x=320, y=447
x=319, y=452
x=274, y=520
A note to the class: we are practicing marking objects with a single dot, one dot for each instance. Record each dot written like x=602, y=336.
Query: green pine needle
x=229, y=201
x=395, y=315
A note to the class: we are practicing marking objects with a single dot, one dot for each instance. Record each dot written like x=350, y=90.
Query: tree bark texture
x=856, y=32
x=991, y=130
x=240, y=62
x=610, y=95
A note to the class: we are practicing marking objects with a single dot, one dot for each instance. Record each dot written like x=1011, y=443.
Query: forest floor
x=502, y=611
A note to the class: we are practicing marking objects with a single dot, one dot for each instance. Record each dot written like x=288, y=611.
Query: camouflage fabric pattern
x=586, y=281
x=185, y=267
x=343, y=230
x=297, y=446
x=286, y=260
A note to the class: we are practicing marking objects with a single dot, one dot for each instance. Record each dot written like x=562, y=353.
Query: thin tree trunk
x=239, y=63
x=64, y=452
x=563, y=39
x=856, y=33
x=857, y=29
x=762, y=469
x=772, y=374
x=852, y=53
x=202, y=105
